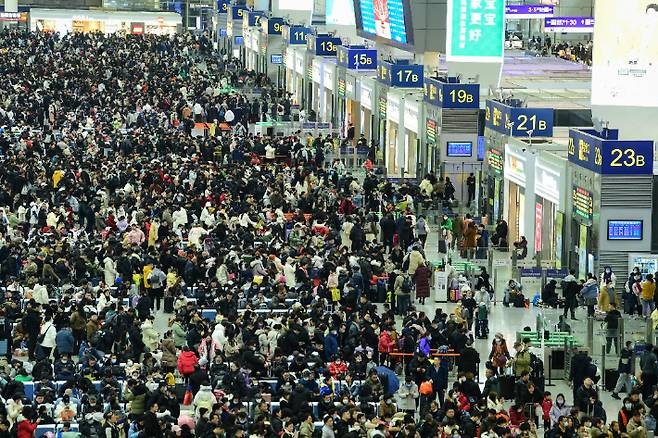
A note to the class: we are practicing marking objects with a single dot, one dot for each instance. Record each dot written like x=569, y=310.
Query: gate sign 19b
x=451, y=95
x=588, y=149
x=519, y=122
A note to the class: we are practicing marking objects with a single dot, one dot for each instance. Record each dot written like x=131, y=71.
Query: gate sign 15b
x=519, y=122
x=357, y=58
x=610, y=157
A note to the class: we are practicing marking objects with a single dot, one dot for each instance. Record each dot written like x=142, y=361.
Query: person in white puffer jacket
x=204, y=399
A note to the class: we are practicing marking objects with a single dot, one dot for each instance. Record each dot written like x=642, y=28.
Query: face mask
x=565, y=423
x=389, y=402
x=345, y=401
x=628, y=406
x=588, y=424
x=560, y=401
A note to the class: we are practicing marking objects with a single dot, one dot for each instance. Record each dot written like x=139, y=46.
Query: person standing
x=590, y=293
x=470, y=185
x=612, y=324
x=624, y=368
x=570, y=289
x=648, y=292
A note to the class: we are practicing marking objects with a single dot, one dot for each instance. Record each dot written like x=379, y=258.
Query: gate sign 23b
x=610, y=157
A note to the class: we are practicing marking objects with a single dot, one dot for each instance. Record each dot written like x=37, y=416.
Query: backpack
x=407, y=285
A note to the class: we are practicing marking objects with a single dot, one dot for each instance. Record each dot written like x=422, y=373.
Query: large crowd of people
x=289, y=287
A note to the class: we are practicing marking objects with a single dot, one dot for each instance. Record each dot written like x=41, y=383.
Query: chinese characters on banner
x=475, y=30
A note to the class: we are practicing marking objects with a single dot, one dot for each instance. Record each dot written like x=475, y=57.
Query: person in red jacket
x=25, y=427
x=337, y=367
x=186, y=362
x=386, y=345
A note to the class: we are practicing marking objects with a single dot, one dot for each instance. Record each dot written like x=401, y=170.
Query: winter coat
x=169, y=353
x=40, y=294
x=406, y=396
x=204, y=399
x=386, y=344
x=65, y=341
x=109, y=271
x=186, y=362
x=180, y=336
x=150, y=336
x=203, y=351
x=422, y=277
x=415, y=260
x=49, y=332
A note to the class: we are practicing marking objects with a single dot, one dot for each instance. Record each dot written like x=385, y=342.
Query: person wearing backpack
x=402, y=288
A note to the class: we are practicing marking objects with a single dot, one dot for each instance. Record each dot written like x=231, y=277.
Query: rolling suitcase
x=443, y=248
x=611, y=377
x=381, y=291
x=507, y=387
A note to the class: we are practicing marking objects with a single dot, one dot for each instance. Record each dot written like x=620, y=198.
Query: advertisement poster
x=476, y=30
x=582, y=252
x=385, y=19
x=625, y=53
x=559, y=226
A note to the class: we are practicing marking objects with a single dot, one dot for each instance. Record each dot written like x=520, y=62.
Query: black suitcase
x=168, y=304
x=507, y=387
x=443, y=248
x=381, y=291
x=611, y=377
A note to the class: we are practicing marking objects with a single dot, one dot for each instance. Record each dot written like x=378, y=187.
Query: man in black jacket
x=151, y=422
x=624, y=368
x=32, y=325
x=570, y=289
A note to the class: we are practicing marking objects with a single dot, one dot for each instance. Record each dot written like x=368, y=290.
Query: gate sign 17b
x=610, y=157
x=518, y=122
x=400, y=75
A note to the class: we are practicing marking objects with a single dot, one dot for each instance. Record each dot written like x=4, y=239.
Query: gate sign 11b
x=589, y=149
x=519, y=122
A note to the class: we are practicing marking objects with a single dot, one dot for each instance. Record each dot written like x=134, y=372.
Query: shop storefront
x=550, y=204
x=518, y=173
x=328, y=111
x=611, y=201
x=317, y=88
x=294, y=41
x=86, y=21
x=396, y=81
x=369, y=110
x=272, y=51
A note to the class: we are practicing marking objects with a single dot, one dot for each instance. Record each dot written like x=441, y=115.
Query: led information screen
x=460, y=149
x=513, y=12
x=276, y=59
x=625, y=58
x=496, y=161
x=583, y=203
x=476, y=30
x=386, y=19
x=624, y=230
x=431, y=130
x=569, y=24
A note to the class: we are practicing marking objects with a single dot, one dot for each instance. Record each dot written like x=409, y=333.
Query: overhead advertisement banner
x=476, y=30
x=625, y=57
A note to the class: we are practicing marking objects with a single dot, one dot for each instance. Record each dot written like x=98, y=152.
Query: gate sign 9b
x=519, y=122
x=610, y=157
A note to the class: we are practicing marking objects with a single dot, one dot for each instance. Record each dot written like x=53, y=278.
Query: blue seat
x=29, y=390
x=209, y=314
x=42, y=430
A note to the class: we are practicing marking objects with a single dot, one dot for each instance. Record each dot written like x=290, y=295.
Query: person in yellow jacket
x=57, y=177
x=153, y=232
x=648, y=291
x=146, y=271
x=607, y=296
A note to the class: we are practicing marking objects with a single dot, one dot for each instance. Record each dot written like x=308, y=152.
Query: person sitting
x=549, y=295
x=521, y=248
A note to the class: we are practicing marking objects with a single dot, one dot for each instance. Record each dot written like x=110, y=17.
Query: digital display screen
x=340, y=12
x=460, y=149
x=624, y=230
x=386, y=19
x=277, y=59
x=583, y=204
x=238, y=40
x=480, y=148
